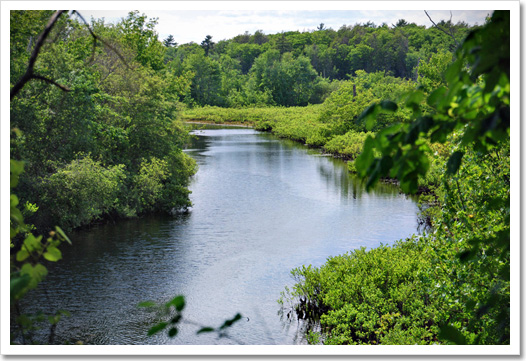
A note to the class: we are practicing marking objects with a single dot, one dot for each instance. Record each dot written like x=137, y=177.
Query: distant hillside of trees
x=296, y=68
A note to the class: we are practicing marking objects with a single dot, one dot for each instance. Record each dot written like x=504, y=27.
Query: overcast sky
x=193, y=25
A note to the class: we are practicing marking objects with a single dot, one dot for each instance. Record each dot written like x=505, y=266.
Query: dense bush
x=81, y=192
x=370, y=297
x=348, y=145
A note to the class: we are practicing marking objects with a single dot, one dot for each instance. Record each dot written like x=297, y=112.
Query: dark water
x=262, y=206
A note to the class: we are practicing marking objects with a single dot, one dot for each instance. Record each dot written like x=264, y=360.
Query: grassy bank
x=302, y=124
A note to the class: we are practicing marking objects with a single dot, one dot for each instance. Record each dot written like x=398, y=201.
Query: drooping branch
x=96, y=37
x=30, y=71
x=450, y=33
x=29, y=74
x=50, y=81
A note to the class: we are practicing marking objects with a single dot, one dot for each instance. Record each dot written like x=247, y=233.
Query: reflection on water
x=261, y=207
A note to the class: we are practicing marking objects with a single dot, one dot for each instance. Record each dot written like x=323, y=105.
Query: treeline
x=108, y=142
x=298, y=68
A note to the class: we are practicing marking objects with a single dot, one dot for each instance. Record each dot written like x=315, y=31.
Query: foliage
x=171, y=315
x=348, y=145
x=477, y=110
x=370, y=297
x=458, y=291
x=27, y=269
x=120, y=114
x=342, y=107
x=297, y=68
x=81, y=192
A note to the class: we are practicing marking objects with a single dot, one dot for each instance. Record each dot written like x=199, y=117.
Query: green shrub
x=148, y=183
x=349, y=144
x=370, y=296
x=175, y=192
x=81, y=192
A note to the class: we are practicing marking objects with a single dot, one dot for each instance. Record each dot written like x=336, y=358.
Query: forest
x=97, y=118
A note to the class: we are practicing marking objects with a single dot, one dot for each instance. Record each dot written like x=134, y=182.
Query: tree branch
x=450, y=33
x=29, y=74
x=96, y=37
x=50, y=81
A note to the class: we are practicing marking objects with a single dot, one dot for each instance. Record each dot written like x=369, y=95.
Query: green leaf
x=62, y=234
x=451, y=334
x=52, y=254
x=31, y=243
x=453, y=72
x=18, y=283
x=146, y=304
x=414, y=99
x=369, y=116
x=159, y=327
x=389, y=105
x=36, y=273
x=17, y=216
x=16, y=168
x=13, y=200
x=22, y=255
x=205, y=329
x=434, y=98
x=178, y=302
x=229, y=323
x=454, y=161
x=172, y=332
x=366, y=158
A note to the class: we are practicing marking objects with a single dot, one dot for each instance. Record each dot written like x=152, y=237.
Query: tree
x=401, y=23
x=207, y=44
x=259, y=37
x=206, y=83
x=141, y=37
x=169, y=41
x=283, y=44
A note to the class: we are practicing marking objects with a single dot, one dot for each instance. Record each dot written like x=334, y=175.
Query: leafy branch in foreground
x=27, y=270
x=475, y=106
x=472, y=114
x=171, y=314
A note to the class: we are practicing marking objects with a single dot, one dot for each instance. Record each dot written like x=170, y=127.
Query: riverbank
x=301, y=124
x=307, y=125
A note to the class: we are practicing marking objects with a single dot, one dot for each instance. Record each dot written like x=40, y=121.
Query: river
x=261, y=207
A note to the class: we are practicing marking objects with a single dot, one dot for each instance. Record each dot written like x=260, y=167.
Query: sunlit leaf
x=22, y=255
x=52, y=254
x=61, y=232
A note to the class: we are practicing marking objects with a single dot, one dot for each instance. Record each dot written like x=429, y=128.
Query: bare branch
x=28, y=75
x=450, y=33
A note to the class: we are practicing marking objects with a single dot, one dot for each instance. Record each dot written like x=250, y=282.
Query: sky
x=194, y=25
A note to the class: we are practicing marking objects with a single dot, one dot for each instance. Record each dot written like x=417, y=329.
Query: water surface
x=261, y=207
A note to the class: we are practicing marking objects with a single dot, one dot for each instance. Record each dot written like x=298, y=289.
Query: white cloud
x=194, y=25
